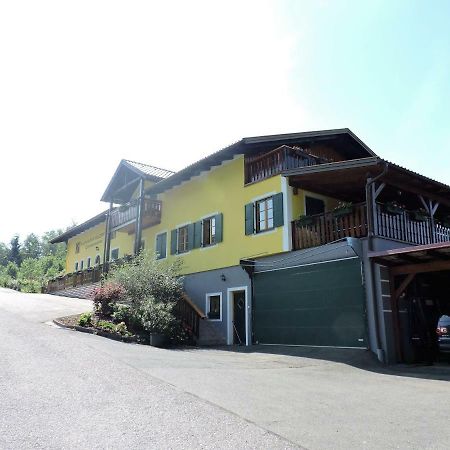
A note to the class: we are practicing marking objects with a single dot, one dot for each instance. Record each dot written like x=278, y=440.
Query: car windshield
x=444, y=320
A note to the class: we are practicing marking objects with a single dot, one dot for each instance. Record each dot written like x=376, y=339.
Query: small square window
x=214, y=306
x=209, y=231
x=182, y=243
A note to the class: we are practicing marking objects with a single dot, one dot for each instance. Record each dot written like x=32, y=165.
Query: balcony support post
x=431, y=209
x=107, y=245
x=139, y=212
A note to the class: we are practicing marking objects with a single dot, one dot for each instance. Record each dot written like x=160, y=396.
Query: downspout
x=370, y=234
x=249, y=267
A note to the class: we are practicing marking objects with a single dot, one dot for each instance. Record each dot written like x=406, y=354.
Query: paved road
x=63, y=389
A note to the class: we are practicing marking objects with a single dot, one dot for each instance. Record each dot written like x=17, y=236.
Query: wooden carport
x=404, y=264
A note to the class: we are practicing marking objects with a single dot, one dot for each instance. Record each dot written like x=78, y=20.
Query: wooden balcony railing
x=264, y=166
x=71, y=280
x=328, y=227
x=126, y=214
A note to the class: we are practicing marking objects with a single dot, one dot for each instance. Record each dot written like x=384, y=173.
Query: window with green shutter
x=265, y=214
x=161, y=245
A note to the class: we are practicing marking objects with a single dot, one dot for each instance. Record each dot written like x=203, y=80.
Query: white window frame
x=207, y=297
x=110, y=254
x=212, y=217
x=167, y=242
x=256, y=215
x=186, y=226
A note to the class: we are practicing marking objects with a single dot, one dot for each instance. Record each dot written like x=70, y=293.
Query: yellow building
x=273, y=232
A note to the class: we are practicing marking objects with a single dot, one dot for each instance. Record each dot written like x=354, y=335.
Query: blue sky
x=86, y=84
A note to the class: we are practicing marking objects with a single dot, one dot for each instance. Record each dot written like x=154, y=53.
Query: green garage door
x=319, y=304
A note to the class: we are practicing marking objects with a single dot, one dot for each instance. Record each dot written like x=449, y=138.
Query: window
x=76, y=266
x=89, y=262
x=114, y=254
x=97, y=260
x=208, y=231
x=182, y=240
x=214, y=306
x=264, y=214
x=82, y=264
x=161, y=245
x=314, y=206
x=77, y=247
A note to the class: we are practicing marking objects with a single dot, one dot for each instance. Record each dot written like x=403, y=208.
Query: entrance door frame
x=230, y=313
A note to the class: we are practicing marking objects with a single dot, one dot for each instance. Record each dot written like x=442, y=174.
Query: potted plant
x=158, y=320
x=304, y=220
x=420, y=215
x=393, y=207
x=342, y=209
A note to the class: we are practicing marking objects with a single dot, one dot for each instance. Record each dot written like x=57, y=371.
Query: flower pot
x=394, y=210
x=342, y=211
x=304, y=221
x=157, y=339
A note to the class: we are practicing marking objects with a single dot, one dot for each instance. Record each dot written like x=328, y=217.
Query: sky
x=84, y=84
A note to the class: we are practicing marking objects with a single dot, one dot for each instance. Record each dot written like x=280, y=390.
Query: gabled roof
x=150, y=171
x=126, y=178
x=77, y=229
x=344, y=139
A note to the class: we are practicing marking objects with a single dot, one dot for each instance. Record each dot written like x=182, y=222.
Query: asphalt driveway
x=64, y=389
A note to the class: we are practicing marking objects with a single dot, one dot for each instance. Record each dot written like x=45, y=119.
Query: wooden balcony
x=124, y=217
x=329, y=227
x=263, y=166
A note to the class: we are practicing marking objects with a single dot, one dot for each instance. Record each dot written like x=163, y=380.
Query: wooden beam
x=405, y=283
x=433, y=266
x=379, y=190
x=396, y=320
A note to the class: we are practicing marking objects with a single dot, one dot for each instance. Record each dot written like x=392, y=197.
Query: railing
x=127, y=213
x=321, y=229
x=71, y=280
x=264, y=166
x=189, y=315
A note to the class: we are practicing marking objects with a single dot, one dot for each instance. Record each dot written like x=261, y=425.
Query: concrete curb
x=106, y=334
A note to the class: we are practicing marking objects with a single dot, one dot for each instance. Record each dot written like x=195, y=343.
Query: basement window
x=214, y=306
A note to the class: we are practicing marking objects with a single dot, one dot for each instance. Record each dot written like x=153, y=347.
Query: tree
x=31, y=247
x=4, y=254
x=48, y=249
x=12, y=270
x=14, y=251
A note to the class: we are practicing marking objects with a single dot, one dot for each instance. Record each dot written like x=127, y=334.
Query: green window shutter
x=190, y=236
x=278, y=219
x=173, y=242
x=161, y=244
x=219, y=227
x=198, y=234
x=249, y=218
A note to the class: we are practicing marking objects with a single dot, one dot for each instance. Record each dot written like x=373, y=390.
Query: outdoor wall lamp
x=223, y=277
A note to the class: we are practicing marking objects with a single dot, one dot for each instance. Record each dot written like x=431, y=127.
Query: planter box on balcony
x=343, y=211
x=304, y=221
x=419, y=216
x=394, y=210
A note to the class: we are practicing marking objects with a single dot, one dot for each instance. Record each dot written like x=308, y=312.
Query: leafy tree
x=4, y=254
x=31, y=247
x=14, y=251
x=48, y=249
x=12, y=269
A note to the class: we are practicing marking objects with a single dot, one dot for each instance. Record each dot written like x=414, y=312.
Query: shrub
x=157, y=317
x=105, y=297
x=85, y=319
x=145, y=277
x=105, y=325
x=122, y=329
